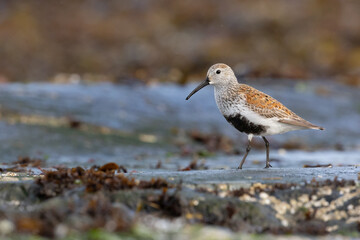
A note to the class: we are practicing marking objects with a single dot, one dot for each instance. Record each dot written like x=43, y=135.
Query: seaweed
x=106, y=177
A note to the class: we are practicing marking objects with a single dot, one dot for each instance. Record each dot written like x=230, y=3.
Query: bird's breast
x=229, y=104
x=231, y=108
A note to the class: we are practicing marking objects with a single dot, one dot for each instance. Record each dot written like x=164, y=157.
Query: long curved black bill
x=201, y=85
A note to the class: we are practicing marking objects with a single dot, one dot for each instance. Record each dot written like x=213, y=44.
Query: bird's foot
x=239, y=167
x=268, y=166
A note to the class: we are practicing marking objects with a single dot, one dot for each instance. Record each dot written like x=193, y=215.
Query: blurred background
x=155, y=40
x=88, y=81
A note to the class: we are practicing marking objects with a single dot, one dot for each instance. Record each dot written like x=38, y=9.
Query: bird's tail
x=301, y=123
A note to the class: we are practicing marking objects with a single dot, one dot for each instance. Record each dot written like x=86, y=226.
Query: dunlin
x=250, y=110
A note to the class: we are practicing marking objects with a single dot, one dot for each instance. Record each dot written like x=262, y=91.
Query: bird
x=249, y=110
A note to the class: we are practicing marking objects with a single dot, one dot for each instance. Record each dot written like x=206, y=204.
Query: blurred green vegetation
x=178, y=40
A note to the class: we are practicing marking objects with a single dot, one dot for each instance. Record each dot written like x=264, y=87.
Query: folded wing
x=269, y=107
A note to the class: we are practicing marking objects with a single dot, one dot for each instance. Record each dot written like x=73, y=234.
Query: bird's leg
x=267, y=153
x=248, y=148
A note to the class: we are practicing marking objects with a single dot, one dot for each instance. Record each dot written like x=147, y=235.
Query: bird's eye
x=218, y=72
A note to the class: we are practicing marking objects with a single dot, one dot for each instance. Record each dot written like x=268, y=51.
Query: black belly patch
x=242, y=124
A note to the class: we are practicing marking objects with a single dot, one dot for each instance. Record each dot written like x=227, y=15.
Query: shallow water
x=141, y=120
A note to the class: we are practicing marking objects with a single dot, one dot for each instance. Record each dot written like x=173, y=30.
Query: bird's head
x=218, y=74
